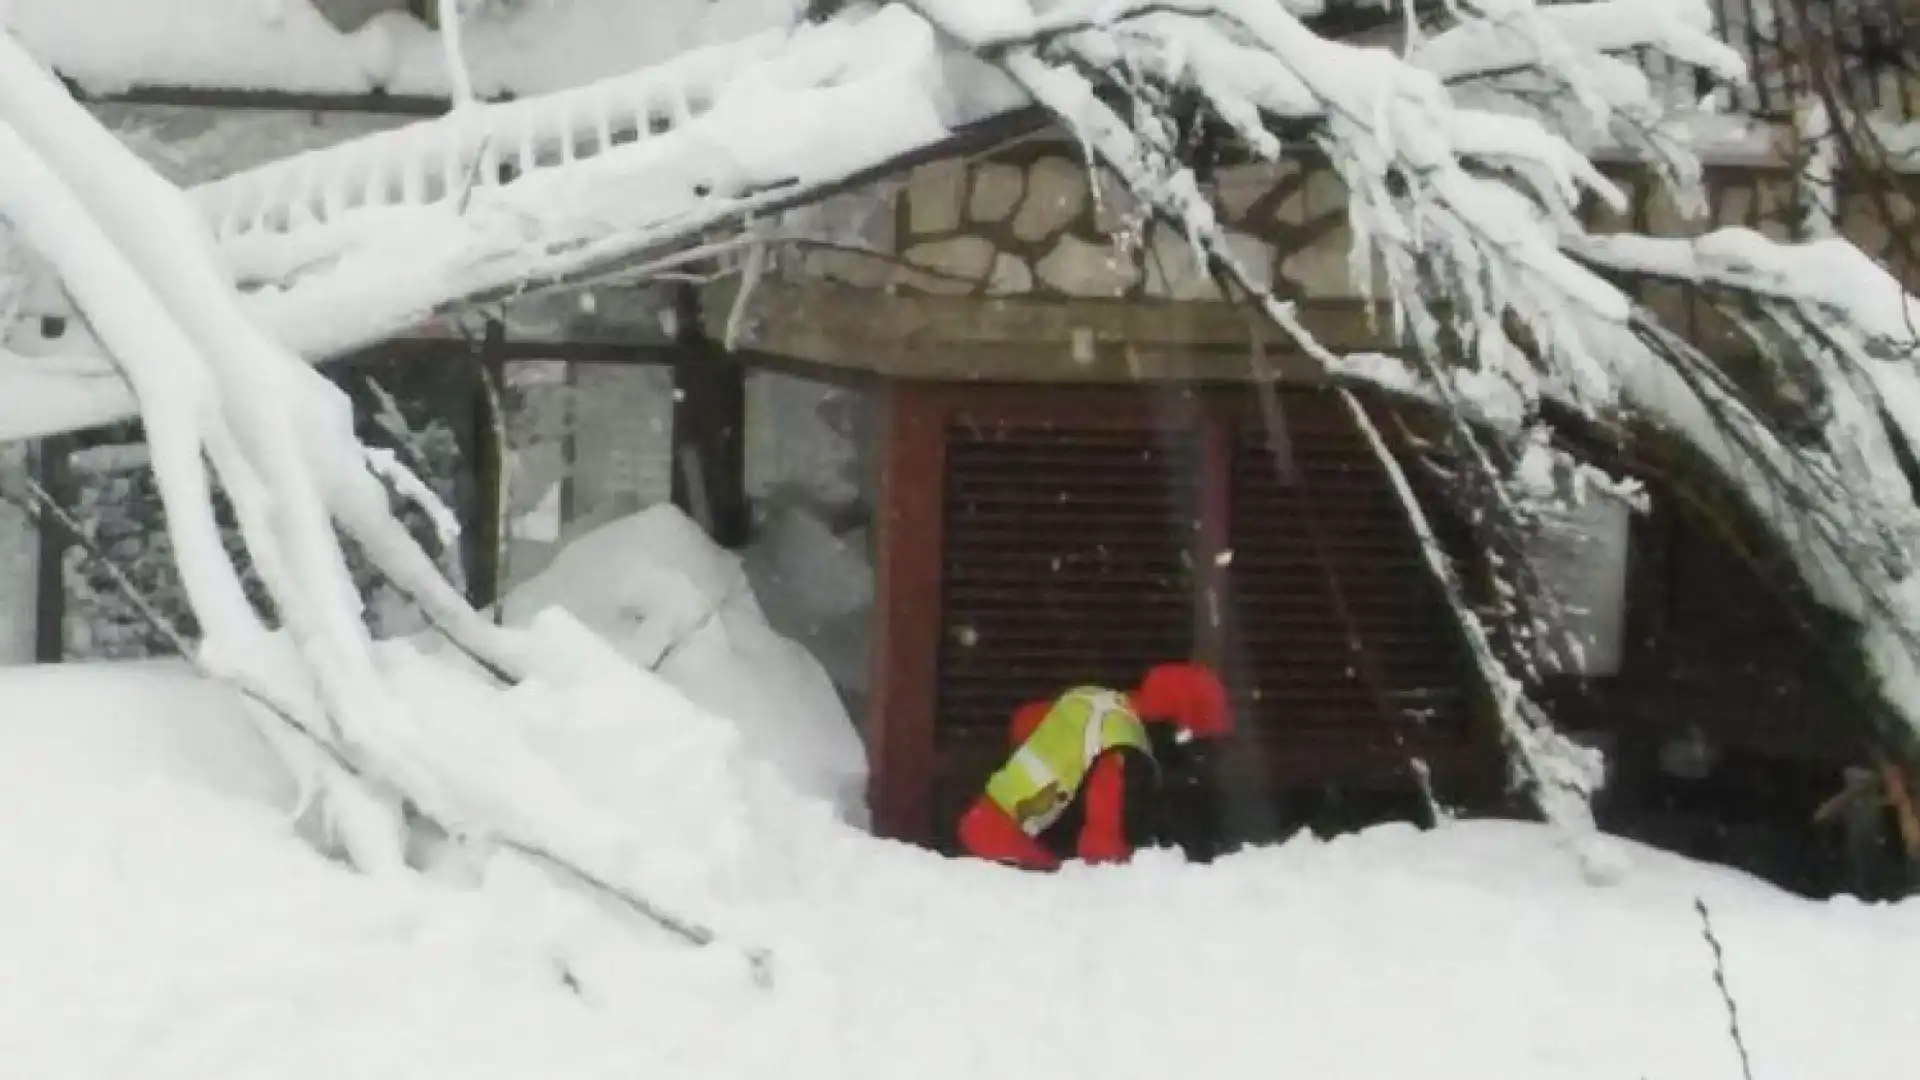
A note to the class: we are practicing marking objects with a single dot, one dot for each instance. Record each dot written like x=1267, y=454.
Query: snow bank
x=659, y=590
x=164, y=929
x=287, y=45
x=817, y=588
x=158, y=921
x=125, y=724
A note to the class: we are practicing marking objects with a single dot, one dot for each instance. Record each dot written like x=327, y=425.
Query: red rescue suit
x=1187, y=696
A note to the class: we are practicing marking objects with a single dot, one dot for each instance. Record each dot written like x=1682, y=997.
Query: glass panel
x=587, y=443
x=810, y=481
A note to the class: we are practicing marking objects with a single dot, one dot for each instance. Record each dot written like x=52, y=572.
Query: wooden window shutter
x=1068, y=561
x=1310, y=514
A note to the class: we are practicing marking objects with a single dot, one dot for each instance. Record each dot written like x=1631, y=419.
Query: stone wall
x=1027, y=223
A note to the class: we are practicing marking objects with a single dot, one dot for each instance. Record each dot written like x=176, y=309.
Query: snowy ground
x=669, y=600
x=159, y=920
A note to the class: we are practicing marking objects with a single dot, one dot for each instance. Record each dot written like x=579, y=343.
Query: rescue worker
x=1094, y=751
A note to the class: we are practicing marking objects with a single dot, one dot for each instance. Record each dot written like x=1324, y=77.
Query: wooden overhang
x=857, y=332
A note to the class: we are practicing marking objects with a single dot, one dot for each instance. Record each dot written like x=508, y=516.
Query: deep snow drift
x=159, y=920
x=668, y=599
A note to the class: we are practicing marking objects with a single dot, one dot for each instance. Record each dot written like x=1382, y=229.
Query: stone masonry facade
x=1027, y=222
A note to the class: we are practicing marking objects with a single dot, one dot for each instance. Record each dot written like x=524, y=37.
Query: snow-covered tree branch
x=220, y=397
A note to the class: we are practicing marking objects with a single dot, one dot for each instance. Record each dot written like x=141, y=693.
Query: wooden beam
x=972, y=338
x=606, y=317
x=709, y=458
x=487, y=530
x=909, y=511
x=51, y=472
x=209, y=97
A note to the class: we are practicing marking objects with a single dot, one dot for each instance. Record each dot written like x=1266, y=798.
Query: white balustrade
x=437, y=160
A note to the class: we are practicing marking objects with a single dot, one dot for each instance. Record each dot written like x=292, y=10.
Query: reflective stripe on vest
x=1040, y=780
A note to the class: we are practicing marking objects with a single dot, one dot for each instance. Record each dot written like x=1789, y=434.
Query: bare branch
x=1720, y=981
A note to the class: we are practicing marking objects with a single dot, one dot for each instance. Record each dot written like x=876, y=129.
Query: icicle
x=487, y=171
x=413, y=177
x=374, y=189
x=562, y=129
x=452, y=165
x=603, y=107
x=333, y=188
x=680, y=102
x=526, y=156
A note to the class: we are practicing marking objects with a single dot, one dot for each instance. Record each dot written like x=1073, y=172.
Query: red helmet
x=1185, y=694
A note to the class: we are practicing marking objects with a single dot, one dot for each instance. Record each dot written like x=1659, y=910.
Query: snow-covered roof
x=289, y=46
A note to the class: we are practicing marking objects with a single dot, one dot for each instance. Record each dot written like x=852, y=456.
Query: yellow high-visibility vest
x=1040, y=780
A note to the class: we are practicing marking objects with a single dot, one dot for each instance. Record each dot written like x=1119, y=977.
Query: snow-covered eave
x=364, y=304
x=1734, y=141
x=372, y=310
x=346, y=263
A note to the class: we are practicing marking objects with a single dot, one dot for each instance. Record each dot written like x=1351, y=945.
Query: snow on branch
x=769, y=123
x=219, y=393
x=1516, y=34
x=1832, y=484
x=1559, y=776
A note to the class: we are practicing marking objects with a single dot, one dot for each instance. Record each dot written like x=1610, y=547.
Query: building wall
x=1029, y=223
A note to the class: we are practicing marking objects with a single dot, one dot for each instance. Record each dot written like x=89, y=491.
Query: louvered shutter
x=1299, y=685
x=1068, y=560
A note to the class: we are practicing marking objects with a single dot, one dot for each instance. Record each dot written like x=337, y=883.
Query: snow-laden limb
x=1517, y=34
x=41, y=396
x=1442, y=233
x=346, y=247
x=182, y=422
x=406, y=483
x=350, y=245
x=211, y=384
x=1559, y=776
x=356, y=795
x=282, y=416
x=1838, y=496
